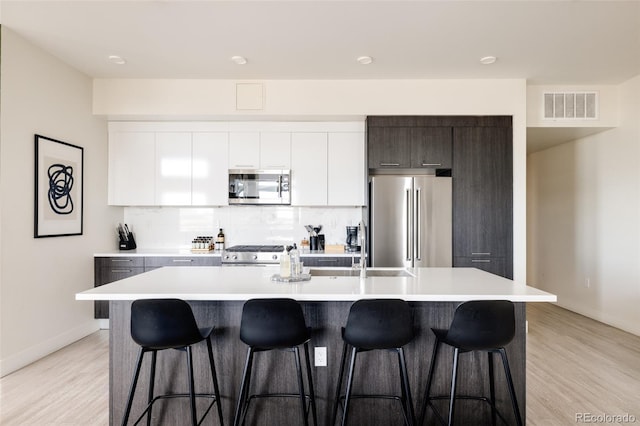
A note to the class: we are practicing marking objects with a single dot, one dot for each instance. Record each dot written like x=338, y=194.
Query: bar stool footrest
x=180, y=395
x=467, y=397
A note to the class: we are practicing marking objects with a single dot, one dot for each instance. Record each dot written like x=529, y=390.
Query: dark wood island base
x=377, y=370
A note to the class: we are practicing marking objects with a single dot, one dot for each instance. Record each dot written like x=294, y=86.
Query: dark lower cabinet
x=495, y=265
x=110, y=269
x=160, y=261
x=483, y=198
x=328, y=261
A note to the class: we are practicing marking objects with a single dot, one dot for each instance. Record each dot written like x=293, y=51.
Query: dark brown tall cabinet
x=478, y=151
x=483, y=196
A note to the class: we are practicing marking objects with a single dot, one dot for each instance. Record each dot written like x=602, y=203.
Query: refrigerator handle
x=408, y=238
x=418, y=216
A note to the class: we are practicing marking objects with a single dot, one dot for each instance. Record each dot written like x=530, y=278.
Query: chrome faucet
x=363, y=249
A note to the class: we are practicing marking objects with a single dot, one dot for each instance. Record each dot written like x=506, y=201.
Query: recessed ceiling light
x=488, y=60
x=240, y=60
x=364, y=60
x=119, y=60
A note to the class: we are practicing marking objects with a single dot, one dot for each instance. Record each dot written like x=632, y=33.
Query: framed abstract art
x=59, y=172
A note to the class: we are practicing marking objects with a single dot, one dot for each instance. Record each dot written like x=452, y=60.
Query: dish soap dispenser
x=285, y=264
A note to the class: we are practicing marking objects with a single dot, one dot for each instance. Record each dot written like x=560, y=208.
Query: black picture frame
x=58, y=191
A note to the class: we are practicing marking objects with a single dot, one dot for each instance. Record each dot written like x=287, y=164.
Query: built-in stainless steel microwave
x=259, y=187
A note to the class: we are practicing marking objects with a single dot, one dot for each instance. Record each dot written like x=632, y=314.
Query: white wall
x=287, y=99
x=584, y=219
x=39, y=277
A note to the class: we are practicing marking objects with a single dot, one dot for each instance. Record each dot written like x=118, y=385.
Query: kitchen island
x=217, y=294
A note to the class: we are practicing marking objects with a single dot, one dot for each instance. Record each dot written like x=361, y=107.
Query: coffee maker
x=352, y=239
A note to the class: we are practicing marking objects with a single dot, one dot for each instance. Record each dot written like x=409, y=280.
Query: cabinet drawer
x=495, y=265
x=159, y=261
x=117, y=262
x=326, y=261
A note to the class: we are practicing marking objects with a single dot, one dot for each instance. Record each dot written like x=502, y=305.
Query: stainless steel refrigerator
x=410, y=221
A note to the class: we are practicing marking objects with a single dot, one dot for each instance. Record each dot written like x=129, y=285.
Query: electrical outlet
x=320, y=355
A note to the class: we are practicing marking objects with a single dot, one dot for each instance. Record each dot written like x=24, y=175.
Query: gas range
x=252, y=255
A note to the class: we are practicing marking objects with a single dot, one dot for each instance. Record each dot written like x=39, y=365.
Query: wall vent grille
x=570, y=105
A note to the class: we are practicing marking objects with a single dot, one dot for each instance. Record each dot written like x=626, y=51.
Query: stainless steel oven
x=252, y=255
x=259, y=186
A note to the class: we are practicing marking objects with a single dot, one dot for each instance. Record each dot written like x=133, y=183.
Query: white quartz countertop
x=243, y=283
x=141, y=252
x=144, y=252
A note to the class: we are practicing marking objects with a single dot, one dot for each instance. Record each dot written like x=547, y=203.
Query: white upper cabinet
x=187, y=163
x=132, y=168
x=173, y=169
x=346, y=169
x=244, y=150
x=309, y=169
x=275, y=150
x=210, y=177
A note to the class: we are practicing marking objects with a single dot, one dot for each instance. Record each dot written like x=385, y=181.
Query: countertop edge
x=240, y=284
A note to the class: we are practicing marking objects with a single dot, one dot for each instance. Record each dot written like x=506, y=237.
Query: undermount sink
x=350, y=272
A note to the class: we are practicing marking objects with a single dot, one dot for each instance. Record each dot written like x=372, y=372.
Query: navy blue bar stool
x=385, y=324
x=480, y=325
x=160, y=324
x=275, y=324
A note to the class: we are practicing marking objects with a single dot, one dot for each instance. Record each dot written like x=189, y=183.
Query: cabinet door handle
x=280, y=186
x=327, y=260
x=244, y=166
x=121, y=260
x=431, y=164
x=418, y=222
x=480, y=260
x=408, y=231
x=120, y=271
x=480, y=254
x=182, y=260
x=390, y=164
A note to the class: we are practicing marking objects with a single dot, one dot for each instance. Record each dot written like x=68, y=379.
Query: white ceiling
x=577, y=42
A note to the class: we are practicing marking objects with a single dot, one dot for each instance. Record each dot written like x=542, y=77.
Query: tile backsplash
x=175, y=227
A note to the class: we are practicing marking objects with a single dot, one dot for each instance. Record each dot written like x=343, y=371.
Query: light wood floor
x=574, y=365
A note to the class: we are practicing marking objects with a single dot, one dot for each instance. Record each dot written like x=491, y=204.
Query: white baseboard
x=33, y=353
x=628, y=326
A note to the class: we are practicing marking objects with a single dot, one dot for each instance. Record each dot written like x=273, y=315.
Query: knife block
x=129, y=244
